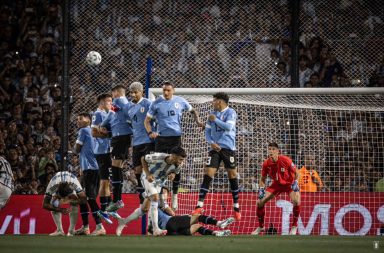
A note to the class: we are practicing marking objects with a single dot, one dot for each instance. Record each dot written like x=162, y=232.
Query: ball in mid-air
x=93, y=58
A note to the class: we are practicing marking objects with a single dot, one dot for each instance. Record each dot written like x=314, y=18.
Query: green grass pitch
x=186, y=244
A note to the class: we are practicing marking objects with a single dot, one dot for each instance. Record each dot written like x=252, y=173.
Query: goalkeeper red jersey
x=282, y=171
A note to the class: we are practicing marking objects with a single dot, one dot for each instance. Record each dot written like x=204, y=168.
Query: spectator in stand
x=310, y=180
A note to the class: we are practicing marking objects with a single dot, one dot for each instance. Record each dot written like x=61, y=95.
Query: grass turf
x=186, y=244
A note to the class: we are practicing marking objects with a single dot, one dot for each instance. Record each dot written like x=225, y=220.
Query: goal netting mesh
x=343, y=134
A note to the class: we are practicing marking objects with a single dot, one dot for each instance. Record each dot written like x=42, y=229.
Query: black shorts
x=225, y=155
x=120, y=147
x=140, y=151
x=91, y=183
x=104, y=161
x=179, y=225
x=164, y=144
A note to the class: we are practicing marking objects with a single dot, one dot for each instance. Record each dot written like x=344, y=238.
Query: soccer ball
x=93, y=58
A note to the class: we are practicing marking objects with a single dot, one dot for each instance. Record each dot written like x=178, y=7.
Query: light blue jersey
x=159, y=168
x=163, y=219
x=223, y=130
x=118, y=117
x=102, y=145
x=87, y=158
x=168, y=114
x=137, y=113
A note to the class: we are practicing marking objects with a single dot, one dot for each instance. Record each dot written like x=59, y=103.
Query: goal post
x=340, y=129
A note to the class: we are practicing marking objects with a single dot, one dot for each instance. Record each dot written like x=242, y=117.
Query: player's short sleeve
x=232, y=116
x=81, y=137
x=96, y=119
x=186, y=105
x=152, y=110
x=264, y=169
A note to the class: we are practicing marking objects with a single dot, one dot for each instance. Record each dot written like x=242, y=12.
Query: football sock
x=296, y=214
x=57, y=219
x=154, y=215
x=204, y=188
x=117, y=180
x=234, y=184
x=204, y=231
x=84, y=211
x=139, y=188
x=209, y=220
x=103, y=203
x=260, y=214
x=134, y=216
x=94, y=208
x=176, y=183
x=73, y=218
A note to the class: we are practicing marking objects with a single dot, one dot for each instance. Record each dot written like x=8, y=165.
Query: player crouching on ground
x=181, y=224
x=284, y=176
x=64, y=188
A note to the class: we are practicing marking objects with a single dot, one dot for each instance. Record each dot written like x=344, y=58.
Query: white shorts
x=150, y=188
x=5, y=193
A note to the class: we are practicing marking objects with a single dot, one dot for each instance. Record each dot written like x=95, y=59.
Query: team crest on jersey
x=93, y=118
x=232, y=159
x=282, y=170
x=142, y=109
x=177, y=105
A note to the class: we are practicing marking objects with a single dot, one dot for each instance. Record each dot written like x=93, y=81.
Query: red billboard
x=321, y=213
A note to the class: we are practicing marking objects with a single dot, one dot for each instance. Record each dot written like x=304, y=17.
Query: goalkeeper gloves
x=261, y=193
x=295, y=186
x=174, y=202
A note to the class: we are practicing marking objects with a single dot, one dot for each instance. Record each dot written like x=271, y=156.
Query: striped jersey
x=159, y=168
x=60, y=177
x=6, y=175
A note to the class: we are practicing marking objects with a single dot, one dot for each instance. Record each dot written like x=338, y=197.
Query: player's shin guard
x=209, y=220
x=176, y=183
x=204, y=188
x=260, y=215
x=94, y=208
x=234, y=184
x=296, y=214
x=117, y=180
x=57, y=219
x=103, y=203
x=73, y=218
x=204, y=231
x=84, y=212
x=154, y=214
x=139, y=188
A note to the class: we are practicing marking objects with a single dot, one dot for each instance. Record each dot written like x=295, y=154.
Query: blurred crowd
x=194, y=43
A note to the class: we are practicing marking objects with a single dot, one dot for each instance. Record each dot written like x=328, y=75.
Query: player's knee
x=296, y=202
x=232, y=173
x=260, y=203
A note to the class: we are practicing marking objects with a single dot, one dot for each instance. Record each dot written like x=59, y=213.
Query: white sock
x=73, y=218
x=57, y=219
x=154, y=215
x=133, y=216
x=200, y=203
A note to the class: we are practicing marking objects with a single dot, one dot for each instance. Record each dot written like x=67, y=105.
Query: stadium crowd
x=193, y=44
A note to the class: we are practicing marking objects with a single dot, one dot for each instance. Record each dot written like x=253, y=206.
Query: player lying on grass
x=64, y=188
x=179, y=224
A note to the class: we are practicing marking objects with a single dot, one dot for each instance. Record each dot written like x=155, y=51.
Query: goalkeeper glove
x=174, y=202
x=295, y=186
x=261, y=193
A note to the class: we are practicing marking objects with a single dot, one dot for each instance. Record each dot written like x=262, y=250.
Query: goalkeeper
x=284, y=177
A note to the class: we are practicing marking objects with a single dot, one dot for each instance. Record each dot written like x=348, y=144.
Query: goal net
x=340, y=135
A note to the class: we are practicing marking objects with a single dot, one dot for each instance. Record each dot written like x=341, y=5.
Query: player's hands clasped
x=211, y=117
x=295, y=186
x=215, y=147
x=261, y=192
x=150, y=178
